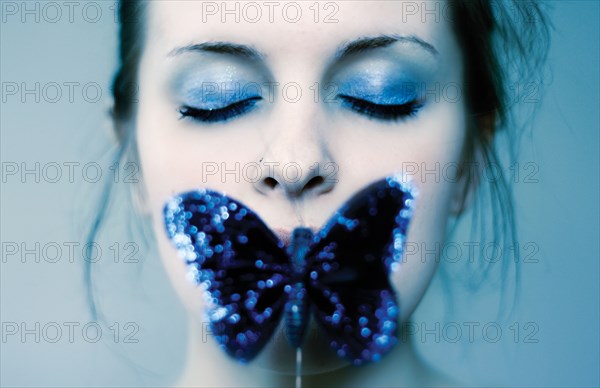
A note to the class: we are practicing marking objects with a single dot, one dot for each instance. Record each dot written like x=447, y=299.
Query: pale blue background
x=560, y=293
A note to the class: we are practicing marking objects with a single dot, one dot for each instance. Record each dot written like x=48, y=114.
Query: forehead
x=293, y=29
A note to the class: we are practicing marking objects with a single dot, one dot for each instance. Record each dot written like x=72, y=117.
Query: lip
x=285, y=234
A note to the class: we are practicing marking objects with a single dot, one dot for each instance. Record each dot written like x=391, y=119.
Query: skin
x=173, y=151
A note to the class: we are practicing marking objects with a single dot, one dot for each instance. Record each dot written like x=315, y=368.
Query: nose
x=297, y=166
x=296, y=179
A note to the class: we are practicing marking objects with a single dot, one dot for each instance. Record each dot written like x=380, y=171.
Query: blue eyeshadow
x=379, y=90
x=215, y=95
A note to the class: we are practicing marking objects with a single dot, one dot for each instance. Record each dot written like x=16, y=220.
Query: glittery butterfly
x=340, y=274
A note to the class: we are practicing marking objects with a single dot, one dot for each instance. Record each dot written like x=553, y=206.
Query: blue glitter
x=241, y=338
x=243, y=268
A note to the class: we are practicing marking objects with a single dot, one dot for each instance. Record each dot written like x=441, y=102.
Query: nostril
x=271, y=182
x=315, y=181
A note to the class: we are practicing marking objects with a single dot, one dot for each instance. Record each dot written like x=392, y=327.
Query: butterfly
x=340, y=274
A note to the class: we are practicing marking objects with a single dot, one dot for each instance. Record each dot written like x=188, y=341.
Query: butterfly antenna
x=298, y=367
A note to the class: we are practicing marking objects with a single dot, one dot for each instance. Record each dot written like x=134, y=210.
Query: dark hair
x=505, y=45
x=502, y=42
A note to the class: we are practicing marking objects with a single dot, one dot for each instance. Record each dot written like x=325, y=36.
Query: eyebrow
x=369, y=43
x=239, y=50
x=345, y=50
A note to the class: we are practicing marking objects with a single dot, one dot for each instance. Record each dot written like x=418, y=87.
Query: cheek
x=190, y=294
x=421, y=256
x=432, y=162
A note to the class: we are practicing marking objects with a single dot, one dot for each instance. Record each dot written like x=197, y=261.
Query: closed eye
x=220, y=114
x=388, y=112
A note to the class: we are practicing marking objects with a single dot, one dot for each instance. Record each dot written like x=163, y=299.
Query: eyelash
x=376, y=111
x=221, y=114
x=381, y=111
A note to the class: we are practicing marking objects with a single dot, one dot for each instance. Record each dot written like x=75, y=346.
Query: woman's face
x=305, y=101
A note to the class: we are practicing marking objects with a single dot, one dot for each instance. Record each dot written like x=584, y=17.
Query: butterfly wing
x=349, y=266
x=240, y=263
